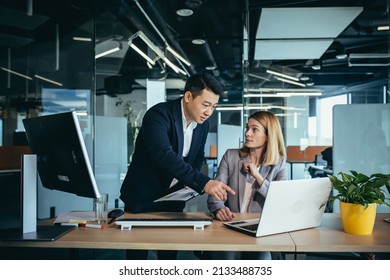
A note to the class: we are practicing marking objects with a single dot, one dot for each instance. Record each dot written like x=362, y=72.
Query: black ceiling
x=218, y=22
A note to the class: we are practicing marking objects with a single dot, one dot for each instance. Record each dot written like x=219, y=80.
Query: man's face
x=200, y=108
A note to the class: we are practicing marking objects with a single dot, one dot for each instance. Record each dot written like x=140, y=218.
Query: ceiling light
x=282, y=75
x=316, y=64
x=295, y=93
x=310, y=83
x=241, y=107
x=368, y=59
x=304, y=78
x=340, y=50
x=282, y=92
x=260, y=95
x=277, y=90
x=211, y=67
x=229, y=108
x=198, y=41
x=287, y=108
x=383, y=27
x=156, y=50
x=159, y=53
x=150, y=66
x=290, y=82
x=258, y=77
x=258, y=107
x=145, y=56
x=149, y=43
x=172, y=51
x=48, y=80
x=82, y=39
x=184, y=12
x=341, y=56
x=173, y=66
x=110, y=51
x=16, y=73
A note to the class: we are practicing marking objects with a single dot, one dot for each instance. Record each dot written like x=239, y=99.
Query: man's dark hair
x=198, y=82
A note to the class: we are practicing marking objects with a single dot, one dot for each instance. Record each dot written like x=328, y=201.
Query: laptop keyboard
x=251, y=227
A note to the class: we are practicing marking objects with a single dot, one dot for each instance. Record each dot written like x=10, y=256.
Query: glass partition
x=300, y=75
x=91, y=64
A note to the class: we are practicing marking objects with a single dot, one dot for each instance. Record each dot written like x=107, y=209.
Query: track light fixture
x=282, y=75
x=16, y=73
x=110, y=51
x=159, y=53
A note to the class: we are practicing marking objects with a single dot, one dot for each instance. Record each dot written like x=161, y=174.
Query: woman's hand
x=224, y=214
x=253, y=171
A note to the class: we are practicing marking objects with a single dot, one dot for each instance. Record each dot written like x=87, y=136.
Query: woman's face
x=255, y=136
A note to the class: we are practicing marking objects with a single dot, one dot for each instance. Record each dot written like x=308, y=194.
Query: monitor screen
x=62, y=160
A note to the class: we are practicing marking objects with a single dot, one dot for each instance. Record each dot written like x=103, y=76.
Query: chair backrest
x=296, y=154
x=319, y=161
x=10, y=156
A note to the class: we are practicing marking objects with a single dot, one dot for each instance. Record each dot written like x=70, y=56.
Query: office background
x=112, y=60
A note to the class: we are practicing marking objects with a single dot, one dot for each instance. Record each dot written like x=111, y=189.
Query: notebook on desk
x=164, y=220
x=290, y=205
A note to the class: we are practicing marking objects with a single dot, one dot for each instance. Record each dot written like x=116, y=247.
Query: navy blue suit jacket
x=158, y=158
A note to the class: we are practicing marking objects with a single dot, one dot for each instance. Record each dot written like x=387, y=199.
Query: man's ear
x=187, y=96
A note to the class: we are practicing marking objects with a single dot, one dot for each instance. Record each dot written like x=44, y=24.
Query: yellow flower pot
x=357, y=219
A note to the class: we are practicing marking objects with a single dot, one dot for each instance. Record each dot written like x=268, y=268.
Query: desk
x=330, y=237
x=214, y=237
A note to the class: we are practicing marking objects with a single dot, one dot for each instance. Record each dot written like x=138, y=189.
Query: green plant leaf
x=359, y=188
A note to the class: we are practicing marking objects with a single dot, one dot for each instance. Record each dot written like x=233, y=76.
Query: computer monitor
x=62, y=160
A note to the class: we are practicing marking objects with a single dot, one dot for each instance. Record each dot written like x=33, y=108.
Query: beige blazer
x=230, y=172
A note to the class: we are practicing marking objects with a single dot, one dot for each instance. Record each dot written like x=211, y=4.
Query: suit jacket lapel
x=179, y=126
x=241, y=181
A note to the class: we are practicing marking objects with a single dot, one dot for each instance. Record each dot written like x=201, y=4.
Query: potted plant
x=358, y=195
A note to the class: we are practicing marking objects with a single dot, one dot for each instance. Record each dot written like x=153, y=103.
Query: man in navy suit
x=169, y=149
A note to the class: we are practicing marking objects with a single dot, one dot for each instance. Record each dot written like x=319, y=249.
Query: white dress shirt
x=188, y=130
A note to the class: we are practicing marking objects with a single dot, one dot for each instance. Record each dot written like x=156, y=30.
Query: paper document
x=183, y=194
x=75, y=216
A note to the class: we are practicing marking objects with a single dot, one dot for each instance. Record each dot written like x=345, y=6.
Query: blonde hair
x=274, y=148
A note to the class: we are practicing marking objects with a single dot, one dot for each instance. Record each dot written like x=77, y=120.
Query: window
x=325, y=117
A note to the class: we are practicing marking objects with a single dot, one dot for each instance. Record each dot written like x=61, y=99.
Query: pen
x=91, y=226
x=67, y=224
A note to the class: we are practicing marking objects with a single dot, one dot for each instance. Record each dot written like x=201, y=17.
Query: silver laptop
x=290, y=205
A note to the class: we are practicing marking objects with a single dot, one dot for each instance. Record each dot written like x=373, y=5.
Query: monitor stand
x=29, y=230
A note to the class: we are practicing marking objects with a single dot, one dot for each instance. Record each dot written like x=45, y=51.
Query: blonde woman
x=249, y=171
